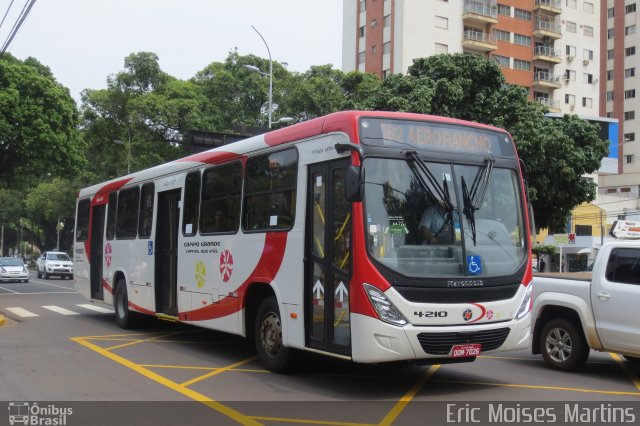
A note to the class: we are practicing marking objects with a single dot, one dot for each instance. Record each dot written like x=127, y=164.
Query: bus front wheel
x=272, y=354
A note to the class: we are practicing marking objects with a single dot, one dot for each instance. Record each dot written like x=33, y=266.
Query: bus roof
x=344, y=121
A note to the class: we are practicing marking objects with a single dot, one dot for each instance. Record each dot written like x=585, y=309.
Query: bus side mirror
x=354, y=184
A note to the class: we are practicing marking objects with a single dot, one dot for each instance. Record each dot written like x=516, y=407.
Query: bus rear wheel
x=272, y=354
x=124, y=317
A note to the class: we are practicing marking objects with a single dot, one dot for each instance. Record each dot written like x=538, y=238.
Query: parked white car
x=13, y=269
x=54, y=263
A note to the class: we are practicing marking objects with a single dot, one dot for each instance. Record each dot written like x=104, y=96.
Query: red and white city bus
x=369, y=236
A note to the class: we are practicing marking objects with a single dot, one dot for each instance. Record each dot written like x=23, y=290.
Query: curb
x=1, y=320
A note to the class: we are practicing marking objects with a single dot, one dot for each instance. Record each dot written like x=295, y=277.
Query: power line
x=6, y=13
x=16, y=26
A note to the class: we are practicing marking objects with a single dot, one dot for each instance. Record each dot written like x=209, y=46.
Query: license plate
x=461, y=351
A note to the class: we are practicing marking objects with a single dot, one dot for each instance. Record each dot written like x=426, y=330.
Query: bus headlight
x=527, y=302
x=383, y=306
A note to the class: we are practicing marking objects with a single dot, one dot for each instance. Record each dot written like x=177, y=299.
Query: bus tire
x=563, y=345
x=124, y=317
x=272, y=354
x=633, y=360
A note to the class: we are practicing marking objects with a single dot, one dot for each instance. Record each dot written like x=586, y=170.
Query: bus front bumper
x=376, y=341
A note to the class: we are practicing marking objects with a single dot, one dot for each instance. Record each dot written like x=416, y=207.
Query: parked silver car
x=13, y=269
x=54, y=263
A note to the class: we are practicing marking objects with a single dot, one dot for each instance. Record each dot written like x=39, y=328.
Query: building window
x=627, y=189
x=628, y=159
x=570, y=50
x=630, y=30
x=587, y=7
x=630, y=51
x=609, y=75
x=386, y=48
x=504, y=10
x=571, y=4
x=361, y=57
x=609, y=115
x=610, y=54
x=630, y=94
x=587, y=78
x=629, y=115
x=583, y=230
x=521, y=65
x=503, y=61
x=587, y=54
x=363, y=6
x=629, y=72
x=612, y=191
x=522, y=14
x=610, y=12
x=587, y=31
x=630, y=8
x=374, y=23
x=387, y=21
x=270, y=191
x=522, y=40
x=610, y=96
x=629, y=137
x=570, y=75
x=362, y=31
x=442, y=48
x=503, y=35
x=587, y=102
x=386, y=73
x=442, y=22
x=569, y=99
x=571, y=27
x=610, y=33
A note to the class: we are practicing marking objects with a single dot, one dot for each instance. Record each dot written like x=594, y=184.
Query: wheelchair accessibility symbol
x=474, y=265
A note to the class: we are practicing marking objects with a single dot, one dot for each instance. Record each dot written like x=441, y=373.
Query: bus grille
x=441, y=343
x=458, y=295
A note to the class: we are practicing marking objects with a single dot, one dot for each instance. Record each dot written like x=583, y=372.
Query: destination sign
x=424, y=135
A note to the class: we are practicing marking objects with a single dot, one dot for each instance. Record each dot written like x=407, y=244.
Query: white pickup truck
x=598, y=310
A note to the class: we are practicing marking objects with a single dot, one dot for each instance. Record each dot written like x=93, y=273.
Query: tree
x=557, y=152
x=38, y=124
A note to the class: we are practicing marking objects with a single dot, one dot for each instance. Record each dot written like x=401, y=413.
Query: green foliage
x=38, y=124
x=542, y=249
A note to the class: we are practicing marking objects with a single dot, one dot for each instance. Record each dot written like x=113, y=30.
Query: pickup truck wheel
x=563, y=345
x=633, y=359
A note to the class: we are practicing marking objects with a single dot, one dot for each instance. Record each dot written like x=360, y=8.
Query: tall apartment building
x=549, y=46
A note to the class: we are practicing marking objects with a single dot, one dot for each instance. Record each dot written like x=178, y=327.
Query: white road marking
x=38, y=292
x=52, y=285
x=60, y=310
x=23, y=313
x=96, y=308
x=12, y=291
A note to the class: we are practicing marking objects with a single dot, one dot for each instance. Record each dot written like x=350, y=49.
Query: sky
x=84, y=41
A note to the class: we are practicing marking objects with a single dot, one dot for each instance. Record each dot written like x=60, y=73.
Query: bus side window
x=146, y=211
x=270, y=191
x=221, y=189
x=82, y=223
x=127, y=219
x=191, y=204
x=111, y=215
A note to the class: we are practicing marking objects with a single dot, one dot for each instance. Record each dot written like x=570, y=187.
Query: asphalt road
x=56, y=346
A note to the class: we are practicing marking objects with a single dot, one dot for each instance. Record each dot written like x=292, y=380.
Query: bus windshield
x=440, y=226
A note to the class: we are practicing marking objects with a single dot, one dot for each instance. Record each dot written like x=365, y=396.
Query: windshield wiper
x=441, y=193
x=469, y=209
x=474, y=198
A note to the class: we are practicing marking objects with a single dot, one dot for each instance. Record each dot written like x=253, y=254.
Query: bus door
x=328, y=259
x=97, y=249
x=166, y=252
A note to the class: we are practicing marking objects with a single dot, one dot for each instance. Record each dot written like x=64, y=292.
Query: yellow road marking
x=151, y=339
x=627, y=370
x=107, y=336
x=406, y=399
x=187, y=367
x=310, y=422
x=196, y=396
x=218, y=371
x=557, y=388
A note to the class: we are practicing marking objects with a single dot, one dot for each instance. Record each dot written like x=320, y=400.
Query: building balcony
x=549, y=29
x=553, y=106
x=550, y=6
x=546, y=79
x=547, y=54
x=479, y=41
x=480, y=12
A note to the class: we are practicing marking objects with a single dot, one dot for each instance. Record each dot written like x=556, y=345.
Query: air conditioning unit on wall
x=585, y=62
x=569, y=58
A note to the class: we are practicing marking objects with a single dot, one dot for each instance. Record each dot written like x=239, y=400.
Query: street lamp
x=253, y=68
x=128, y=147
x=59, y=227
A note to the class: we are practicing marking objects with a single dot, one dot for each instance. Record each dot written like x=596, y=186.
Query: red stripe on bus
x=140, y=309
x=265, y=271
x=106, y=286
x=211, y=157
